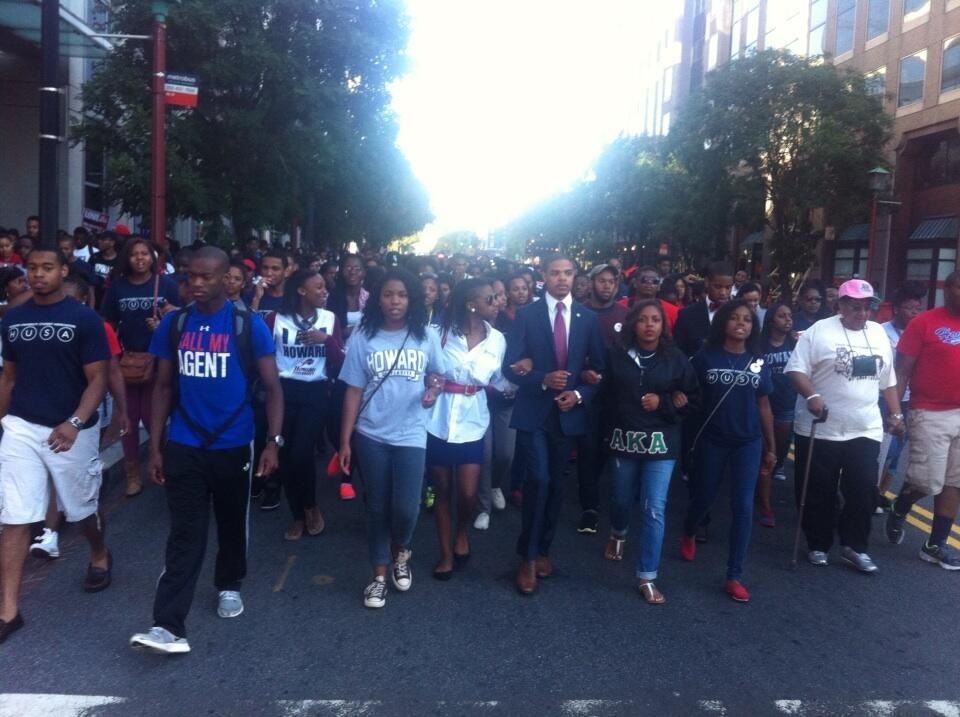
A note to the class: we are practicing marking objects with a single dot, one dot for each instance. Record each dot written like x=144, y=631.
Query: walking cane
x=806, y=482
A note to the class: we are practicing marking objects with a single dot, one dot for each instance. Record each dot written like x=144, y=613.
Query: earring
x=473, y=310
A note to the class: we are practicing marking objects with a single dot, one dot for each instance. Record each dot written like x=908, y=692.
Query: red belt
x=470, y=390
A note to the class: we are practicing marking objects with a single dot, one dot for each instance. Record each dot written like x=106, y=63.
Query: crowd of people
x=460, y=384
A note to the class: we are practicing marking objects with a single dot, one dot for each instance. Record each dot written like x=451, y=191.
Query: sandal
x=315, y=525
x=650, y=594
x=614, y=549
x=295, y=531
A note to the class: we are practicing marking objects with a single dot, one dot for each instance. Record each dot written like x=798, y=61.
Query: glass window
x=818, y=12
x=950, y=75
x=912, y=70
x=947, y=264
x=878, y=18
x=735, y=39
x=915, y=9
x=815, y=41
x=846, y=21
x=877, y=82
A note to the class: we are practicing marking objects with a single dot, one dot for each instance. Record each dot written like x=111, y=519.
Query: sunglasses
x=649, y=280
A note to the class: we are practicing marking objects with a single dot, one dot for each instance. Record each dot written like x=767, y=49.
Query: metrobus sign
x=180, y=90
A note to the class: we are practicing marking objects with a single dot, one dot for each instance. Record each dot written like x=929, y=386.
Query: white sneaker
x=780, y=474
x=860, y=561
x=229, y=604
x=401, y=574
x=482, y=521
x=498, y=500
x=45, y=545
x=160, y=640
x=818, y=557
x=375, y=594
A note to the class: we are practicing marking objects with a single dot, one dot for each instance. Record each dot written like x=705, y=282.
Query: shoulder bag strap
x=385, y=376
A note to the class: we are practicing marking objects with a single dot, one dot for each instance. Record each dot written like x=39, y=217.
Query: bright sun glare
x=509, y=101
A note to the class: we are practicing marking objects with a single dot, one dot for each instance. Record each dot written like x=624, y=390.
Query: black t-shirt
x=102, y=267
x=129, y=305
x=50, y=345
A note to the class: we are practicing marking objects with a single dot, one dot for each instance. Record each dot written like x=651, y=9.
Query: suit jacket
x=531, y=336
x=692, y=329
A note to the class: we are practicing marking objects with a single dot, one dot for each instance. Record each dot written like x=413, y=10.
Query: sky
x=507, y=102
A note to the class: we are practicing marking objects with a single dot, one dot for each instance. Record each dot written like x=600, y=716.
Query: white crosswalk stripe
x=48, y=705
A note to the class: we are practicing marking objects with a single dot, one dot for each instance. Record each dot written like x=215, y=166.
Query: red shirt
x=670, y=310
x=112, y=341
x=933, y=338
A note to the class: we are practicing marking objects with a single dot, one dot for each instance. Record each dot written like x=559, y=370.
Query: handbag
x=137, y=366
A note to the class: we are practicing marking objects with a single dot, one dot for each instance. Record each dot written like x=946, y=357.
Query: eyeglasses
x=491, y=299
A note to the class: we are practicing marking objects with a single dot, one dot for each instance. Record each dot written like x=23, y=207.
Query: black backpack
x=242, y=334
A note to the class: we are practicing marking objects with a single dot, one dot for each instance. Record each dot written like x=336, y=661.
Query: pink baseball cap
x=856, y=289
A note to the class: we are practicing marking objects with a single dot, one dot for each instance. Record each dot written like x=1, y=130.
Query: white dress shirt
x=552, y=312
x=457, y=417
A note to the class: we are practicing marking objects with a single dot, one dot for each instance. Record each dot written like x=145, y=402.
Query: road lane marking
x=282, y=580
x=38, y=705
x=333, y=708
x=923, y=511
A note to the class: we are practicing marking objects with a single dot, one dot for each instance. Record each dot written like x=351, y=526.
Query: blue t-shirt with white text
x=50, y=344
x=128, y=306
x=212, y=382
x=737, y=420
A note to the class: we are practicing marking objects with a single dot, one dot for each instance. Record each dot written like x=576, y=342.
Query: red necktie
x=714, y=306
x=560, y=337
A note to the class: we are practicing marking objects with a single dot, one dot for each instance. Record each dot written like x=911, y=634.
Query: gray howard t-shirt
x=394, y=415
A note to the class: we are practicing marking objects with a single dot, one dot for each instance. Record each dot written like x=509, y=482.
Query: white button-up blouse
x=457, y=417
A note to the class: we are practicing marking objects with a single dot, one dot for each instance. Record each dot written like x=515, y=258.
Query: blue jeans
x=652, y=480
x=710, y=462
x=392, y=479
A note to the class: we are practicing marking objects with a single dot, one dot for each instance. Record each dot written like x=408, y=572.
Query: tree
x=774, y=137
x=293, y=119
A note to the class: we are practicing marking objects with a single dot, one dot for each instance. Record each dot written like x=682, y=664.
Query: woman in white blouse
x=458, y=421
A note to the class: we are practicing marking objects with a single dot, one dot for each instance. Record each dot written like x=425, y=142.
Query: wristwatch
x=579, y=398
x=896, y=417
x=75, y=422
x=278, y=439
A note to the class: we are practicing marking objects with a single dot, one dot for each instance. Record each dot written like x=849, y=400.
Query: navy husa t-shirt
x=50, y=344
x=129, y=305
x=737, y=420
x=212, y=382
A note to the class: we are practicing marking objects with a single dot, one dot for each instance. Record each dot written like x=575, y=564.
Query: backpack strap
x=243, y=341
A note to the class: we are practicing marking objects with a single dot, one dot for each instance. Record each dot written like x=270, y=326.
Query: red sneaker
x=516, y=497
x=736, y=590
x=347, y=492
x=768, y=519
x=688, y=548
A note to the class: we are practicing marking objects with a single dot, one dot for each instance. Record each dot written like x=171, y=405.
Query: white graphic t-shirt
x=828, y=354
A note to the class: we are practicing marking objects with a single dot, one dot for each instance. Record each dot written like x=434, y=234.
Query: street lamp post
x=50, y=91
x=158, y=192
x=879, y=181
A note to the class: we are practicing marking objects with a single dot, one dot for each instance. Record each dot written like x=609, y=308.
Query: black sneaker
x=271, y=497
x=894, y=527
x=940, y=555
x=589, y=521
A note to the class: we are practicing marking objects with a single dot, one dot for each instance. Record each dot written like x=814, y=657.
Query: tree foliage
x=293, y=120
x=780, y=136
x=768, y=140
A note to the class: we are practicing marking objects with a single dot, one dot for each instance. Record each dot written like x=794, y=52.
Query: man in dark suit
x=561, y=338
x=693, y=322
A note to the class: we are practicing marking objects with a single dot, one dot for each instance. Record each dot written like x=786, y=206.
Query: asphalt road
x=818, y=641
